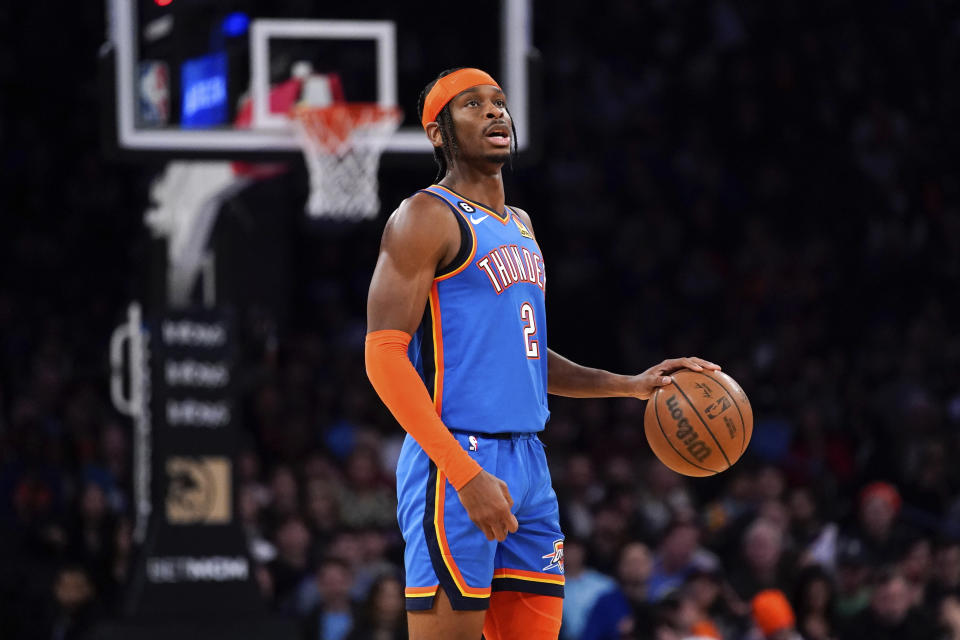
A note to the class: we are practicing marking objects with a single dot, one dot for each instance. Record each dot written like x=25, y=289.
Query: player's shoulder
x=421, y=206
x=419, y=214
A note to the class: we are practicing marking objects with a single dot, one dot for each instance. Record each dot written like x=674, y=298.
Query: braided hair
x=445, y=153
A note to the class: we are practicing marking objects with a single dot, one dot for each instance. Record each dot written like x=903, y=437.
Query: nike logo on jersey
x=478, y=220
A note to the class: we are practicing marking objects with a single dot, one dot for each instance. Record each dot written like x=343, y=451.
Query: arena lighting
x=234, y=24
x=162, y=3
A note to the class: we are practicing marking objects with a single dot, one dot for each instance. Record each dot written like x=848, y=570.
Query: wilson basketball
x=700, y=424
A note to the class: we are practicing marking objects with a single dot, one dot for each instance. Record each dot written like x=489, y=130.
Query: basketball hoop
x=342, y=144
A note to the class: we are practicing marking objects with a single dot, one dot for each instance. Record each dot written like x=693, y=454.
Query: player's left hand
x=659, y=374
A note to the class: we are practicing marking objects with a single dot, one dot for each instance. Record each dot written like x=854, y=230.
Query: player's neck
x=477, y=185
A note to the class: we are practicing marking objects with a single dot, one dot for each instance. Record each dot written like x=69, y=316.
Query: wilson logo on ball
x=686, y=433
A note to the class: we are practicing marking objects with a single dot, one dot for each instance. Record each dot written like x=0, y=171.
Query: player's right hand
x=487, y=501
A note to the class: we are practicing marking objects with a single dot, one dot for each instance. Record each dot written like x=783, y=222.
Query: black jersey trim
x=458, y=601
x=424, y=603
x=502, y=217
x=427, y=357
x=467, y=240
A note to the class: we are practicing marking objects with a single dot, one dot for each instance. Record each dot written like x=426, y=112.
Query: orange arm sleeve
x=399, y=386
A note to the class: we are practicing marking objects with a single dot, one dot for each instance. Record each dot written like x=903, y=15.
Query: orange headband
x=447, y=87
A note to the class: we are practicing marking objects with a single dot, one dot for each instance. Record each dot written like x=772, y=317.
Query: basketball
x=700, y=424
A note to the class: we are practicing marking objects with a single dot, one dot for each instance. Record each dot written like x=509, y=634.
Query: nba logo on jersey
x=473, y=443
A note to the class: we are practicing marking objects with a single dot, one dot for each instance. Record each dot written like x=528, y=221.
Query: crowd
x=767, y=185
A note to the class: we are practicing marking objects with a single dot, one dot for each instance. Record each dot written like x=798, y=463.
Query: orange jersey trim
x=421, y=592
x=465, y=589
x=504, y=218
x=533, y=576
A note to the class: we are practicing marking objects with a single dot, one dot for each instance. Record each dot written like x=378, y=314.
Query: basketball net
x=342, y=144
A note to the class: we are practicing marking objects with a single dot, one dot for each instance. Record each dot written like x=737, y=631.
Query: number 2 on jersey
x=526, y=314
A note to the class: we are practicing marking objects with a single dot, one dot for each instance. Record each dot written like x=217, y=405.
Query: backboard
x=178, y=72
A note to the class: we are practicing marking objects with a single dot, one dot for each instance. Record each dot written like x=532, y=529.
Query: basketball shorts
x=444, y=549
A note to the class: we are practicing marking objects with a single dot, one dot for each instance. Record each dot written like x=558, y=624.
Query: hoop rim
x=332, y=126
x=298, y=109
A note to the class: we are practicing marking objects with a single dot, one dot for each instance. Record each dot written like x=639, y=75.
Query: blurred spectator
x=624, y=611
x=123, y=554
x=732, y=505
x=333, y=617
x=383, y=615
x=764, y=565
x=678, y=555
x=322, y=509
x=74, y=609
x=678, y=618
x=364, y=554
x=284, y=496
x=950, y=617
x=264, y=579
x=582, y=586
x=814, y=599
x=368, y=499
x=702, y=596
x=610, y=532
x=878, y=530
x=92, y=537
x=372, y=562
x=663, y=497
x=292, y=562
x=812, y=539
x=891, y=615
x=945, y=579
x=915, y=565
x=853, y=580
x=578, y=492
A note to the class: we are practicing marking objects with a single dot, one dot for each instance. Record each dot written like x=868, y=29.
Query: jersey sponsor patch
x=523, y=230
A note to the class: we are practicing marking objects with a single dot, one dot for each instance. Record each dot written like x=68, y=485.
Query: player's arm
x=567, y=378
x=420, y=236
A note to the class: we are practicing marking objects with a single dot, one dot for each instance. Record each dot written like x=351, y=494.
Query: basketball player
x=457, y=350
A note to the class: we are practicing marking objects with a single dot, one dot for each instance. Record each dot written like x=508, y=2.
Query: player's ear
x=434, y=134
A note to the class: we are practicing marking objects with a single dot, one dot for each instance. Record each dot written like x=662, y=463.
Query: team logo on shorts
x=556, y=558
x=466, y=207
x=473, y=443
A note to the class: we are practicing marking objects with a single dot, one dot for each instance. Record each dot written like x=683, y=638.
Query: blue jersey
x=482, y=346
